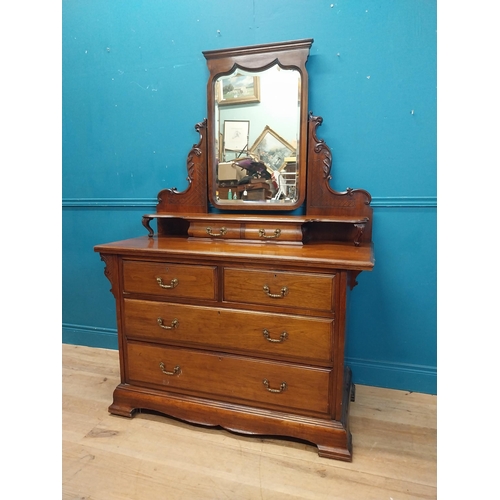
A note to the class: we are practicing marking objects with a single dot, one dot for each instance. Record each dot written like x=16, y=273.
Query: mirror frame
x=288, y=55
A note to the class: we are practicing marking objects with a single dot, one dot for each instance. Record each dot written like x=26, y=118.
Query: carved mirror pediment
x=257, y=126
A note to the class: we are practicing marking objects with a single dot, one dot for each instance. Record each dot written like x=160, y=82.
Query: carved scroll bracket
x=146, y=219
x=111, y=272
x=320, y=147
x=351, y=279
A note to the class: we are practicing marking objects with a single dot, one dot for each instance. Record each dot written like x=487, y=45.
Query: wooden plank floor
x=149, y=457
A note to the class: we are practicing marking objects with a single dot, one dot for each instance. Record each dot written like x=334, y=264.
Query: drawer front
x=169, y=280
x=269, y=335
x=214, y=230
x=230, y=378
x=273, y=232
x=274, y=288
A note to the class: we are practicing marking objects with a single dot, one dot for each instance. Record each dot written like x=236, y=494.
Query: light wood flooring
x=150, y=457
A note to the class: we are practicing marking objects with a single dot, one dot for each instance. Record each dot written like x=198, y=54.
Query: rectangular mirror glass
x=257, y=116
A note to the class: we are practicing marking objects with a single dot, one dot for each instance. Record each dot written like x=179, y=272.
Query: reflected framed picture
x=271, y=149
x=235, y=135
x=237, y=89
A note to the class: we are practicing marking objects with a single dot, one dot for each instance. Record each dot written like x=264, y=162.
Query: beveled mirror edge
x=289, y=55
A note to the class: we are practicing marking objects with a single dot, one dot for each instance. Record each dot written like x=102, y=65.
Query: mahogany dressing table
x=233, y=312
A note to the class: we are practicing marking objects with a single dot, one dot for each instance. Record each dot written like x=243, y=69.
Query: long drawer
x=270, y=335
x=169, y=280
x=229, y=378
x=279, y=288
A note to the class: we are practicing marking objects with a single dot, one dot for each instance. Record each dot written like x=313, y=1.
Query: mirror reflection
x=257, y=117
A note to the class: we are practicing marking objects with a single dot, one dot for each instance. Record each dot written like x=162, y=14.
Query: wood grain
x=317, y=254
x=107, y=457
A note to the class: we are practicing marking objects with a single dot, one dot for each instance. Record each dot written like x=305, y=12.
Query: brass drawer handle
x=283, y=293
x=173, y=325
x=267, y=336
x=176, y=371
x=275, y=391
x=262, y=234
x=222, y=232
x=173, y=283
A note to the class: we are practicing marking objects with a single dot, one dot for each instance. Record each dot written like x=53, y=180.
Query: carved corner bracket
x=351, y=279
x=111, y=272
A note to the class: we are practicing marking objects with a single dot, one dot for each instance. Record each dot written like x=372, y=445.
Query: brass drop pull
x=275, y=391
x=262, y=234
x=267, y=336
x=222, y=232
x=283, y=293
x=173, y=325
x=176, y=371
x=173, y=283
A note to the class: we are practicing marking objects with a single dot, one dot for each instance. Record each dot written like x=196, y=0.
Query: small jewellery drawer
x=278, y=232
x=230, y=378
x=169, y=280
x=263, y=334
x=278, y=288
x=215, y=230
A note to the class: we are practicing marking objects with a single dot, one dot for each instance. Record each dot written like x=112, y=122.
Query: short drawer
x=215, y=230
x=278, y=288
x=169, y=280
x=230, y=378
x=262, y=334
x=279, y=232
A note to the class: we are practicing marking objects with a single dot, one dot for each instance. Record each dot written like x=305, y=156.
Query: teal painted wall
x=134, y=84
